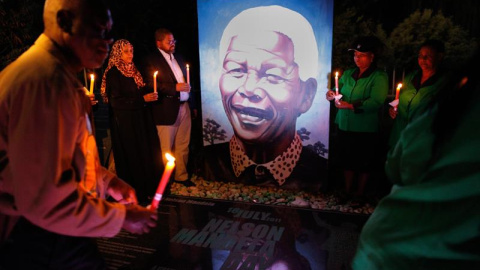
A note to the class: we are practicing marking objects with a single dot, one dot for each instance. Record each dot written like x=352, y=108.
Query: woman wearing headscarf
x=135, y=144
x=419, y=87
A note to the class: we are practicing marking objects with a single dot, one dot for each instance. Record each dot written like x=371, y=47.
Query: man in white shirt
x=171, y=112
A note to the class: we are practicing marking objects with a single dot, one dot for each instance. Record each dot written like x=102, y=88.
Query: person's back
x=52, y=187
x=430, y=219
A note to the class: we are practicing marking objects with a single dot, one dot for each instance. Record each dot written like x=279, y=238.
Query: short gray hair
x=281, y=20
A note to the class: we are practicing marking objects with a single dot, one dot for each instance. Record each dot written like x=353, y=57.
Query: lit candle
x=336, y=83
x=92, y=79
x=163, y=181
x=188, y=74
x=155, y=81
x=397, y=94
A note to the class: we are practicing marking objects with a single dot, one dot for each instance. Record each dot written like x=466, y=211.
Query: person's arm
x=423, y=99
x=147, y=94
x=138, y=219
x=330, y=95
x=45, y=128
x=378, y=94
x=147, y=90
x=166, y=86
x=182, y=87
x=119, y=93
x=392, y=112
x=342, y=104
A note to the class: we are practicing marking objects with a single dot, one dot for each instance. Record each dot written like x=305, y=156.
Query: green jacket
x=367, y=94
x=413, y=100
x=431, y=218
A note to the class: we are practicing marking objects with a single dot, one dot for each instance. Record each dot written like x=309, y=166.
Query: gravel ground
x=272, y=196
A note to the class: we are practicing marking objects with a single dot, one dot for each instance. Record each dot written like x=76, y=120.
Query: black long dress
x=135, y=143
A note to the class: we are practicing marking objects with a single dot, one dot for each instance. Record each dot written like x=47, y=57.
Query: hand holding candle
x=188, y=74
x=163, y=182
x=338, y=96
x=155, y=81
x=395, y=102
x=92, y=79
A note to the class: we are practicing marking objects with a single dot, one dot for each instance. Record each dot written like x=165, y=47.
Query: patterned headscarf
x=127, y=70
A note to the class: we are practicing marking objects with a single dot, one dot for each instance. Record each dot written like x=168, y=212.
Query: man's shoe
x=187, y=183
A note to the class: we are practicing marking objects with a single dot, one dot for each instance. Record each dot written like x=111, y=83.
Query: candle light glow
x=155, y=81
x=163, y=181
x=397, y=94
x=92, y=79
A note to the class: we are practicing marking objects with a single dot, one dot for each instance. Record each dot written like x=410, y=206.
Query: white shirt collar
x=177, y=71
x=167, y=56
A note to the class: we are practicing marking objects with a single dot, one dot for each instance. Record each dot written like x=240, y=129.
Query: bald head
x=81, y=28
x=59, y=15
x=51, y=8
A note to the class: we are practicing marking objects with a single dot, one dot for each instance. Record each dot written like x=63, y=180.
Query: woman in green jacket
x=430, y=219
x=363, y=91
x=419, y=87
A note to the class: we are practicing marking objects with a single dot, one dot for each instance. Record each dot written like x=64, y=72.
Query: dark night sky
x=389, y=13
x=137, y=20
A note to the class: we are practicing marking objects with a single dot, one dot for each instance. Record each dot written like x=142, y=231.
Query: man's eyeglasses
x=171, y=42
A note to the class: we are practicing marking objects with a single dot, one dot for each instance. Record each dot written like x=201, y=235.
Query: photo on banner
x=264, y=69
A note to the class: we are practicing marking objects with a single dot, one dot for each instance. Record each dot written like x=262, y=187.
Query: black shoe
x=187, y=183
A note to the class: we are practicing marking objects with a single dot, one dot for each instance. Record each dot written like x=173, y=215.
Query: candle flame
x=336, y=74
x=399, y=86
x=188, y=66
x=155, y=74
x=463, y=81
x=169, y=157
x=92, y=76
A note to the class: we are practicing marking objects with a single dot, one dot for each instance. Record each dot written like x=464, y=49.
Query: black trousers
x=31, y=247
x=358, y=150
